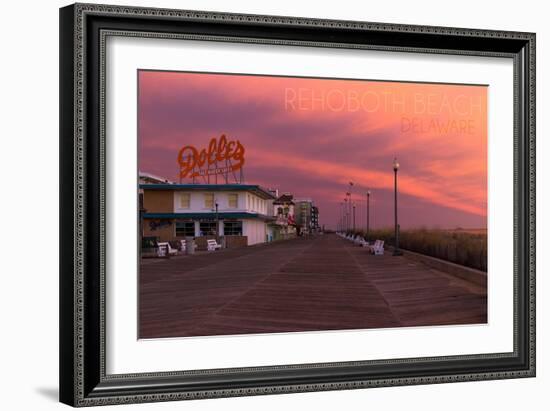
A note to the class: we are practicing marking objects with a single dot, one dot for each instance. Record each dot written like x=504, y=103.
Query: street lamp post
x=338, y=219
x=217, y=222
x=353, y=217
x=341, y=217
x=396, y=250
x=350, y=207
x=346, y=222
x=368, y=215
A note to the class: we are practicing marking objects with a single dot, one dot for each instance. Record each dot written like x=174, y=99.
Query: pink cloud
x=325, y=143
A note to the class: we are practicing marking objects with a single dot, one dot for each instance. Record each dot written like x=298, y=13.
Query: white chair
x=378, y=248
x=183, y=245
x=212, y=245
x=166, y=246
x=161, y=251
x=370, y=248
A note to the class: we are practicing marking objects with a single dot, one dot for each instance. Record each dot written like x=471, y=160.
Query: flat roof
x=256, y=189
x=161, y=180
x=209, y=215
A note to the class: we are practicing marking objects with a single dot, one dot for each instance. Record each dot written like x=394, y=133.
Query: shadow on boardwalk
x=322, y=283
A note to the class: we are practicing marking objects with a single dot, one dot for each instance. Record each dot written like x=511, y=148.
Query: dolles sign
x=192, y=161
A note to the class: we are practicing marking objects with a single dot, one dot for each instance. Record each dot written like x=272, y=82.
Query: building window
x=233, y=228
x=209, y=201
x=208, y=227
x=233, y=200
x=280, y=210
x=185, y=200
x=185, y=229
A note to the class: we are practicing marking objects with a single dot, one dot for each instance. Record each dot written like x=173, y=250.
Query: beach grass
x=466, y=247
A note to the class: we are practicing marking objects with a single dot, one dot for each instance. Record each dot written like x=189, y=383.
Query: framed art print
x=260, y=204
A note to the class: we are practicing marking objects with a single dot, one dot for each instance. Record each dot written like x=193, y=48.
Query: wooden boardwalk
x=321, y=283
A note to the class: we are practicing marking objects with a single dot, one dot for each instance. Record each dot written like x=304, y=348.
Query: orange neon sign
x=192, y=161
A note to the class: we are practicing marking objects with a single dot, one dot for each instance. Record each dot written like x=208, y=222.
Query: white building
x=176, y=211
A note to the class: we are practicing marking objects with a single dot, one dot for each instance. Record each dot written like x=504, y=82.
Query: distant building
x=307, y=215
x=314, y=218
x=283, y=210
x=176, y=211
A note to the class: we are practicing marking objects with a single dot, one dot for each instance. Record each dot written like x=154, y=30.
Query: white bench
x=166, y=246
x=212, y=245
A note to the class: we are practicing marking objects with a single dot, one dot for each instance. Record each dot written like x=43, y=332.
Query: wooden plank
x=323, y=283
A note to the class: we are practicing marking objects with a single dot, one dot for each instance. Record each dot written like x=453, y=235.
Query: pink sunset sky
x=311, y=137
